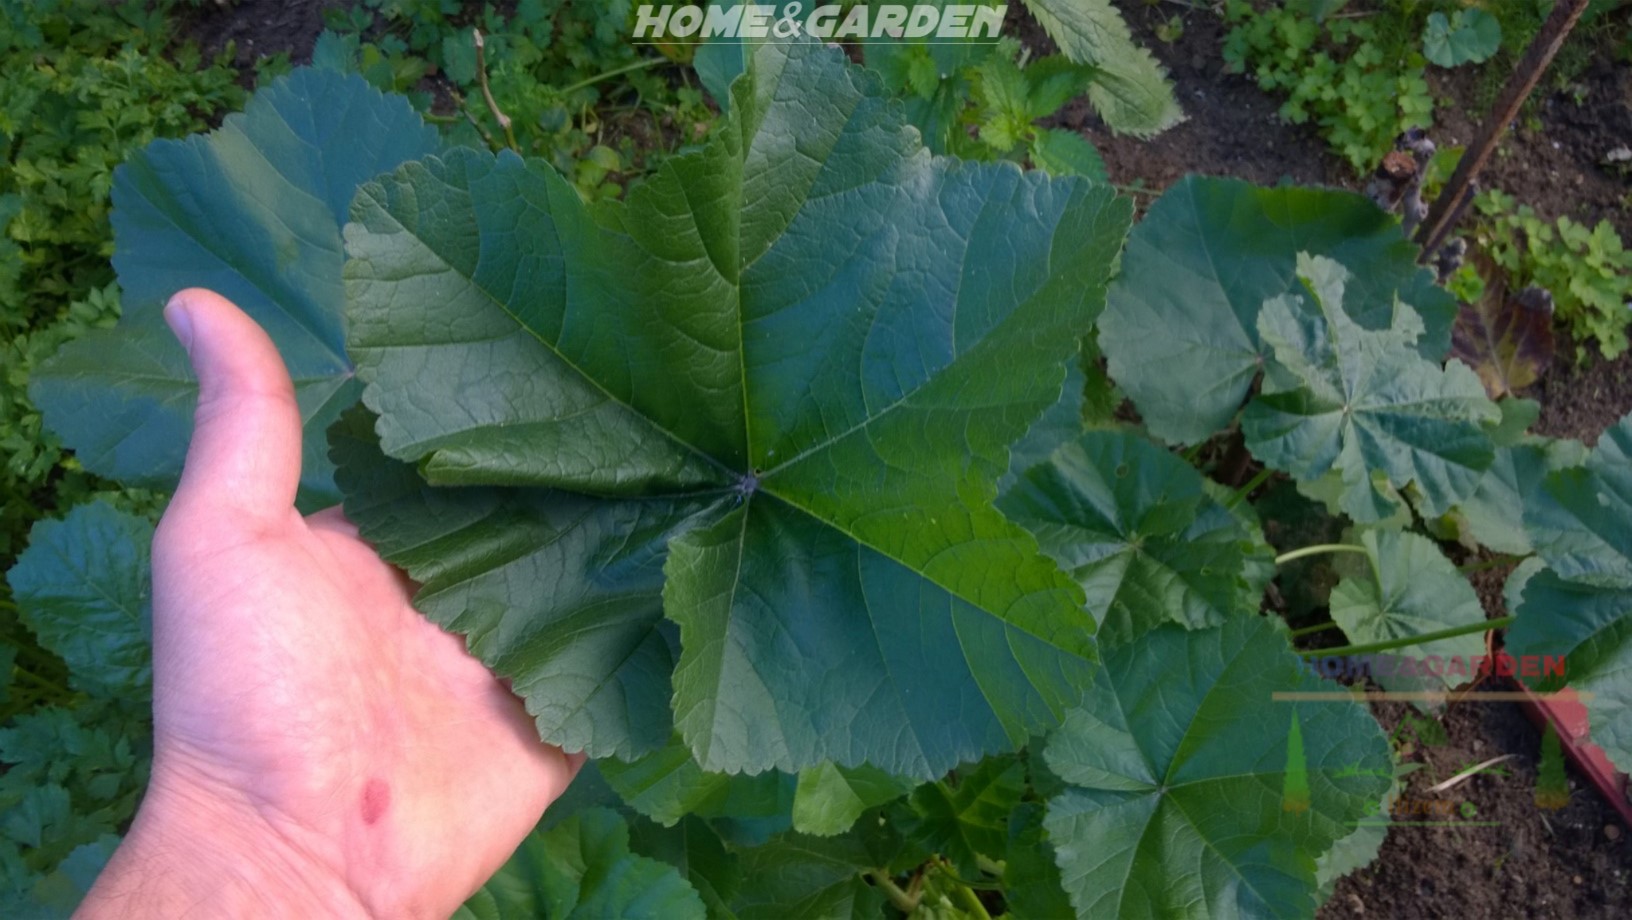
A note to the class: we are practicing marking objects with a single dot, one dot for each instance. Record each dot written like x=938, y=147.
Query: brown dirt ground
x=1576, y=862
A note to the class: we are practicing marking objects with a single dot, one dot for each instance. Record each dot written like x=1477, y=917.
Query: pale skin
x=320, y=749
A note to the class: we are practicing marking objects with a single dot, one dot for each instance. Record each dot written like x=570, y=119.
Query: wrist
x=192, y=850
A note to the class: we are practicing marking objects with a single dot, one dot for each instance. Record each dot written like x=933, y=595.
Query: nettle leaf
x=83, y=587
x=1580, y=605
x=1130, y=90
x=1177, y=725
x=1404, y=587
x=583, y=868
x=1507, y=338
x=967, y=815
x=1135, y=526
x=253, y=211
x=1066, y=153
x=1181, y=325
x=1365, y=404
x=1468, y=36
x=802, y=352
x=830, y=798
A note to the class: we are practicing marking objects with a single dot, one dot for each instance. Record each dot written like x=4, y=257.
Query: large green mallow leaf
x=1365, y=403
x=252, y=211
x=1184, y=800
x=803, y=352
x=1404, y=586
x=1181, y=327
x=1580, y=606
x=1134, y=524
x=590, y=653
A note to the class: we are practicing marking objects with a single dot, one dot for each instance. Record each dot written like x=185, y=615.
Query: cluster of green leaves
x=83, y=84
x=772, y=487
x=576, y=90
x=71, y=773
x=1588, y=271
x=1360, y=80
x=953, y=88
x=988, y=103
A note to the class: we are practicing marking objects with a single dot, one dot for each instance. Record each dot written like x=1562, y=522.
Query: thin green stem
x=989, y=866
x=642, y=64
x=1284, y=558
x=1311, y=630
x=903, y=902
x=1252, y=484
x=1407, y=641
x=970, y=902
x=53, y=687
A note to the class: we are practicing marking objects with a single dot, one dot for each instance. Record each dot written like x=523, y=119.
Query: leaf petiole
x=1407, y=641
x=1306, y=551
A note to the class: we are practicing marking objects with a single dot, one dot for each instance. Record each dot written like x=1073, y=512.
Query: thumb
x=244, y=460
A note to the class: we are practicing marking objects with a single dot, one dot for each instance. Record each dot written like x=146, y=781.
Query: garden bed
x=1571, y=863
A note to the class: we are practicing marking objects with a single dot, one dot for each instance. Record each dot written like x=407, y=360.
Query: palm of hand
x=309, y=685
x=305, y=715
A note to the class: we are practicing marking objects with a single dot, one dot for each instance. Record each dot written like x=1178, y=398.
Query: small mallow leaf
x=830, y=798
x=668, y=784
x=966, y=815
x=1184, y=798
x=83, y=587
x=801, y=354
x=693, y=848
x=1507, y=338
x=1135, y=526
x=1468, y=36
x=583, y=869
x=1404, y=586
x=798, y=877
x=1365, y=403
x=253, y=211
x=1181, y=326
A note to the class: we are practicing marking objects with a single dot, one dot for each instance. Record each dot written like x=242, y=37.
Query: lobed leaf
x=1406, y=587
x=252, y=211
x=1181, y=328
x=1575, y=601
x=1365, y=404
x=1182, y=798
x=583, y=868
x=801, y=353
x=829, y=798
x=1135, y=526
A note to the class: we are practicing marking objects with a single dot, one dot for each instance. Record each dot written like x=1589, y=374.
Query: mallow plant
x=802, y=489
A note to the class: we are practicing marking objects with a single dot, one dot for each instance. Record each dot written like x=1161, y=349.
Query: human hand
x=320, y=749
